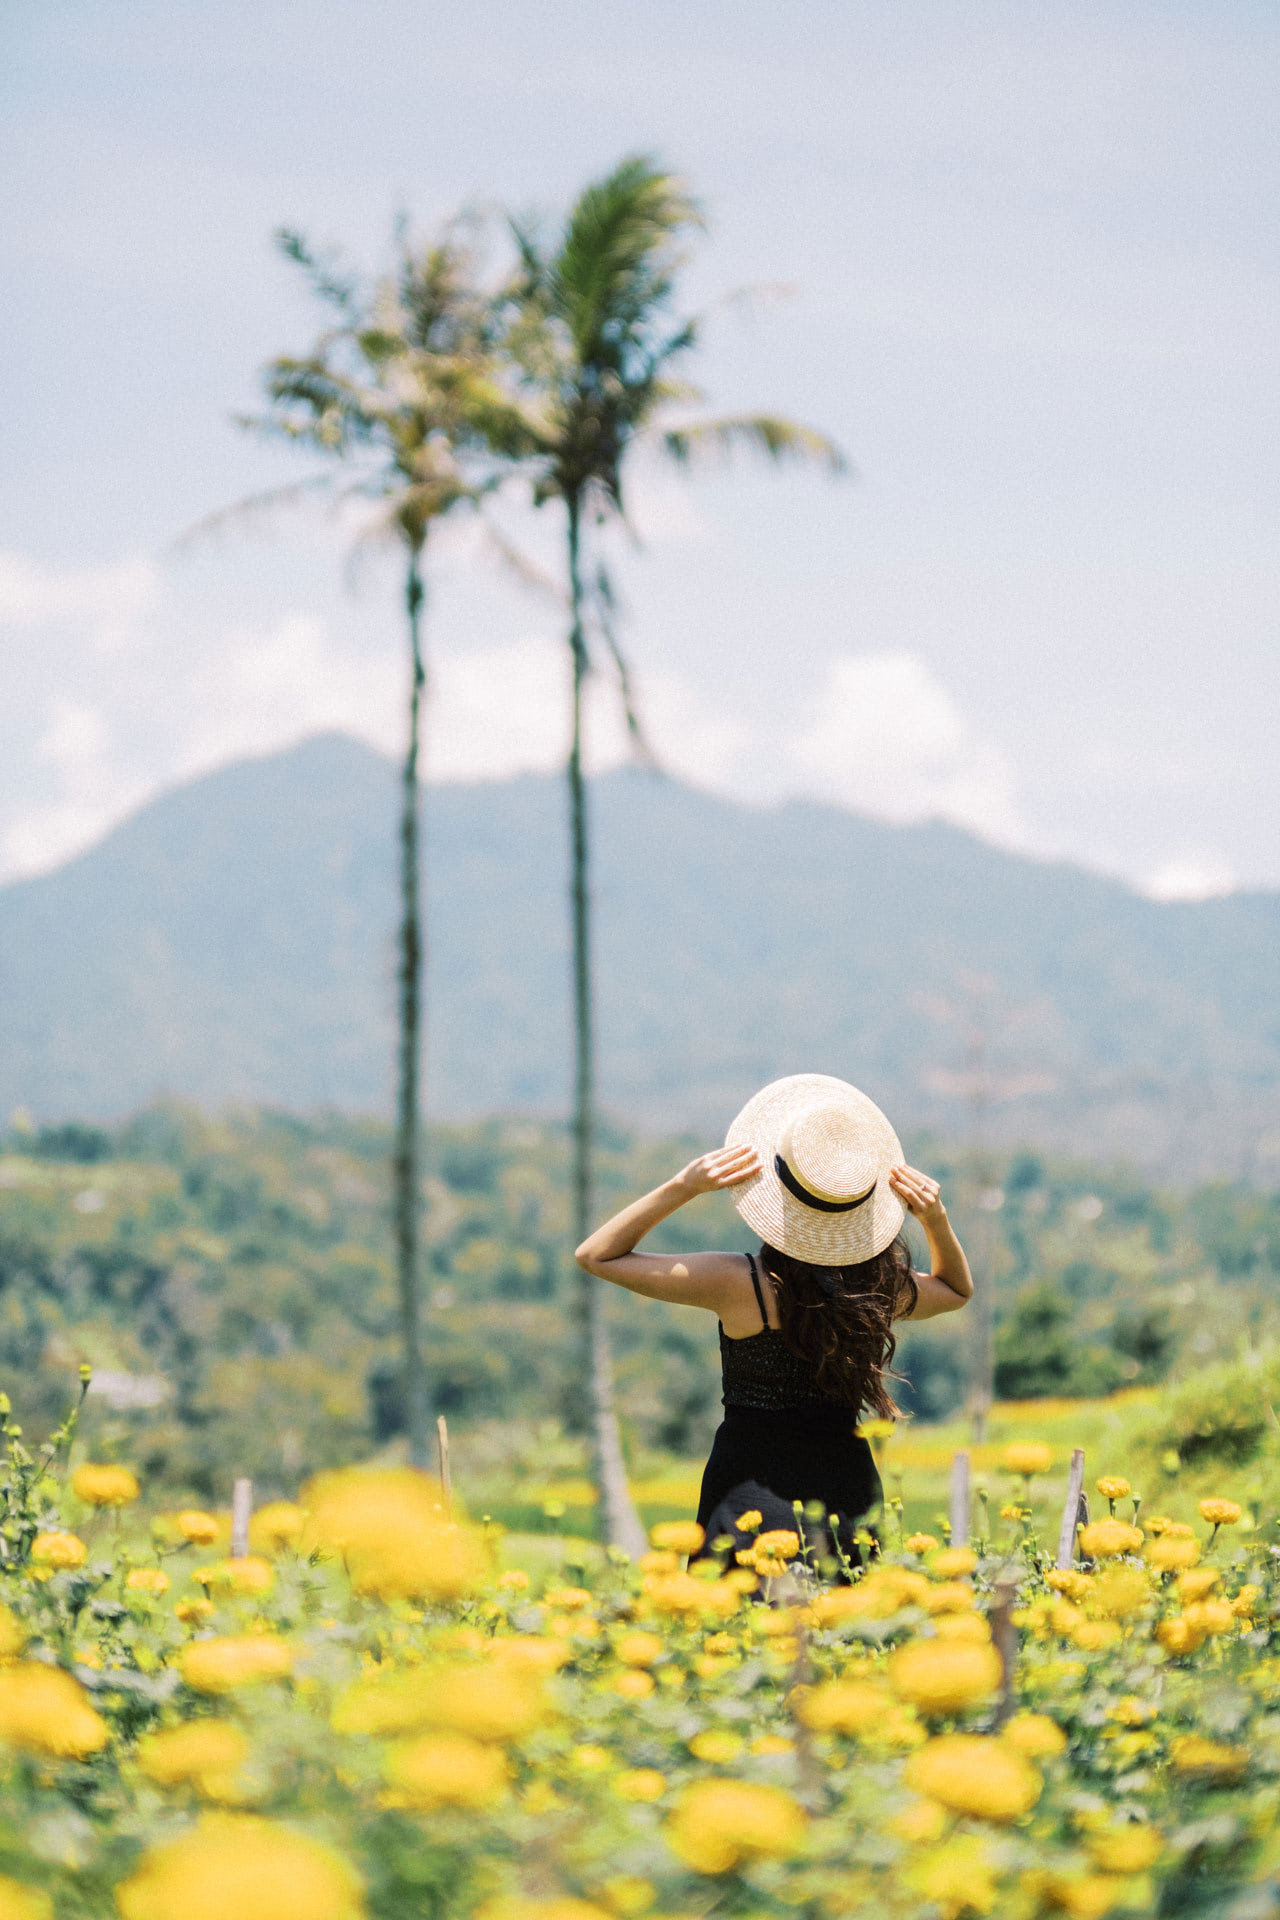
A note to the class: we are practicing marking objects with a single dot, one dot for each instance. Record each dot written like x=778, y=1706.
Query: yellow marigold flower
x=1197, y=1758
x=772, y=1743
x=200, y=1528
x=239, y=1864
x=976, y=1774
x=741, y=1579
x=1180, y=1636
x=634, y=1684
x=1094, y=1636
x=1221, y=1513
x=45, y=1710
x=247, y=1574
x=677, y=1536
x=920, y=1542
x=1036, y=1735
x=58, y=1549
x=878, y=1595
x=943, y=1676
x=147, y=1580
x=951, y=1563
x=1131, y=1711
x=1112, y=1487
x=206, y=1754
x=1105, y=1539
x=640, y=1784
x=749, y=1522
x=527, y=1652
x=1081, y=1896
x=19, y=1902
x=949, y=1596
x=1012, y=1511
x=1156, y=1523
x=919, y=1822
x=683, y=1593
x=716, y=1745
x=1128, y=1849
x=1120, y=1592
x=1210, y=1616
x=1243, y=1604
x=660, y=1561
x=842, y=1706
x=591, y=1757
x=13, y=1635
x=446, y=1770
x=235, y=1660
x=1197, y=1583
x=627, y=1893
x=719, y=1824
x=1027, y=1457
x=1179, y=1530
x=568, y=1599
x=876, y=1429
x=277, y=1524
x=779, y=1544
x=391, y=1530
x=970, y=1626
x=513, y=1581
x=720, y=1643
x=104, y=1486
x=957, y=1879
x=1169, y=1552
x=1068, y=1580
x=192, y=1612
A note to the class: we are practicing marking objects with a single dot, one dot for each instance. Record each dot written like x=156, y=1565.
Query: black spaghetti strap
x=755, y=1281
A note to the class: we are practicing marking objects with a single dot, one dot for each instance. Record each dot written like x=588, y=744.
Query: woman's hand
x=920, y=1195
x=711, y=1172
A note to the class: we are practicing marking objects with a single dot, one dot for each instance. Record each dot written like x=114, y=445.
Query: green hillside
x=233, y=941
x=230, y=1279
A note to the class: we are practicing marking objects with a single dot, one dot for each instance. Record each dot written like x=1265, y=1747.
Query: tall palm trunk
x=621, y=1522
x=408, y=1122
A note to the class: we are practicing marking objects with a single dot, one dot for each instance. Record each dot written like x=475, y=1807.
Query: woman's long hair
x=840, y=1319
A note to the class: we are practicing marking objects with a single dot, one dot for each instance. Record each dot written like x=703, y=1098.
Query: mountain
x=234, y=941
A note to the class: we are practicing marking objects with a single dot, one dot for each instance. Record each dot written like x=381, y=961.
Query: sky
x=1022, y=263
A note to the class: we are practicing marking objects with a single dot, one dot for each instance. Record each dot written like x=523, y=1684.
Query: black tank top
x=762, y=1371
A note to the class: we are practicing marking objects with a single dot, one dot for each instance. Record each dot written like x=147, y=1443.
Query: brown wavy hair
x=840, y=1319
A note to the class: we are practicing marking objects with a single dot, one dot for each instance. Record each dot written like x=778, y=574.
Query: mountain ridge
x=233, y=939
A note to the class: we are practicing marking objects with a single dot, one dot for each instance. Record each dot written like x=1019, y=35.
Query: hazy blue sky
x=1034, y=261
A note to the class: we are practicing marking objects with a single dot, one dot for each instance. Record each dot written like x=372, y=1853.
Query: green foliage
x=231, y=1280
x=1220, y=1416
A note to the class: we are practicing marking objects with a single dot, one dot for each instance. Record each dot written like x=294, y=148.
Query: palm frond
x=337, y=290
x=616, y=261
x=776, y=438
x=253, y=508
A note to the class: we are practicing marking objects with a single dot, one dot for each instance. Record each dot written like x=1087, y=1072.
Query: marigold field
x=373, y=1713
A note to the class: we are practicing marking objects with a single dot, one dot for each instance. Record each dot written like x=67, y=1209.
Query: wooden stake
x=241, y=1508
x=1075, y=1511
x=446, y=1478
x=960, y=1498
x=1005, y=1636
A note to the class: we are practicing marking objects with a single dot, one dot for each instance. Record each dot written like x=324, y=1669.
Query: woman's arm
x=689, y=1279
x=950, y=1285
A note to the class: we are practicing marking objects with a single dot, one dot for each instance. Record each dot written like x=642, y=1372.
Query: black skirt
x=767, y=1461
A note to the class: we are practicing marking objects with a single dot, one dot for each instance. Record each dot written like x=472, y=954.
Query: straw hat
x=823, y=1192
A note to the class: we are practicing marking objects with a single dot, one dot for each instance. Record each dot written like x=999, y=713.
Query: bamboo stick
x=960, y=1498
x=1074, y=1511
x=446, y=1476
x=241, y=1509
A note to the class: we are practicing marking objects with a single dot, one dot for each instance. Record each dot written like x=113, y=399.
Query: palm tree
x=596, y=345
x=401, y=392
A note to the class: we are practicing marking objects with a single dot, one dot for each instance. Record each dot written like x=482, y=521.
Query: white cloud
x=887, y=739
x=91, y=791
x=108, y=598
x=1189, y=877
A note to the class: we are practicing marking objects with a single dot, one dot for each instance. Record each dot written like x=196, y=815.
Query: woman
x=806, y=1328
